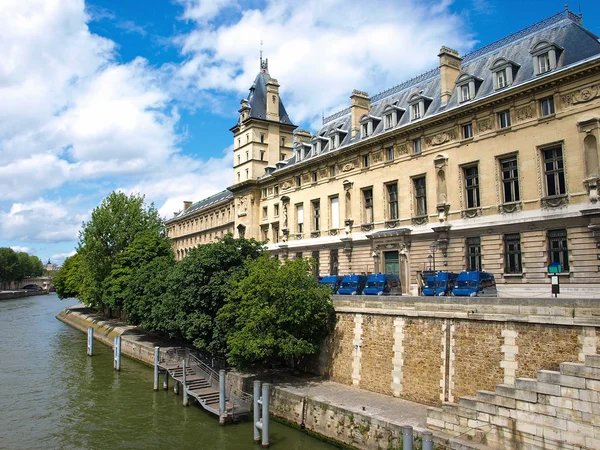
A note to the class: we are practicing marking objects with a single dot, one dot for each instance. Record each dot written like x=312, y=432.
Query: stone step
x=533, y=385
x=492, y=398
x=592, y=361
x=580, y=370
x=507, y=390
x=555, y=377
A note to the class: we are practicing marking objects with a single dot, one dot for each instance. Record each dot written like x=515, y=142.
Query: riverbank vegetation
x=227, y=298
x=16, y=266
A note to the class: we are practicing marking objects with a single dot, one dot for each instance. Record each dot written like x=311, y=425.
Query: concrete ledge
x=7, y=295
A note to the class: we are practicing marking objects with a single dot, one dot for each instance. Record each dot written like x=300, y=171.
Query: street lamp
x=429, y=259
x=433, y=247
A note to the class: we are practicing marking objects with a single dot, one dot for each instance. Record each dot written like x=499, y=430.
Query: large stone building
x=488, y=162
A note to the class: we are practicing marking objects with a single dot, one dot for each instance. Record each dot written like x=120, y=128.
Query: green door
x=392, y=264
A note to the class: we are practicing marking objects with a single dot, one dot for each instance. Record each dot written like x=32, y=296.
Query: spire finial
x=264, y=65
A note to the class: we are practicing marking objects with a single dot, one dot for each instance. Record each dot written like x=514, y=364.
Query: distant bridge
x=37, y=283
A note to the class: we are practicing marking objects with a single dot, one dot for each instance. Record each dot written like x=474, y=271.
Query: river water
x=53, y=396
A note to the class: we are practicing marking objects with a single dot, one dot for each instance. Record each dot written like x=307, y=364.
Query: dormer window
x=545, y=56
x=467, y=87
x=368, y=124
x=504, y=71
x=391, y=116
x=336, y=137
x=418, y=105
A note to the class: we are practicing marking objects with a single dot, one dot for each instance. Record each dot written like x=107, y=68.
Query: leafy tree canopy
x=198, y=287
x=18, y=266
x=69, y=278
x=113, y=226
x=277, y=312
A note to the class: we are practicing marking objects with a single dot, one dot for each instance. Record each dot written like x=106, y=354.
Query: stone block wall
x=436, y=350
x=557, y=410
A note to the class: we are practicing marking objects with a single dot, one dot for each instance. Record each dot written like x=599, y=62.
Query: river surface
x=53, y=396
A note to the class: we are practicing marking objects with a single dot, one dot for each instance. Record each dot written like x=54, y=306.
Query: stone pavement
x=378, y=406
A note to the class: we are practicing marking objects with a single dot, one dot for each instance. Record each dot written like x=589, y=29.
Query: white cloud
x=204, y=10
x=18, y=248
x=59, y=258
x=40, y=221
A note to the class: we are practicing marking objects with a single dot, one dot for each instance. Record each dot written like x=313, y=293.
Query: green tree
x=9, y=266
x=36, y=267
x=277, y=312
x=113, y=226
x=69, y=278
x=198, y=287
x=138, y=279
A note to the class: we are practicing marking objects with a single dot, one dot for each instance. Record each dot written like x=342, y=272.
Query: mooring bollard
x=166, y=380
x=185, y=394
x=156, y=362
x=266, y=391
x=222, y=411
x=256, y=401
x=407, y=438
x=90, y=341
x=427, y=440
x=117, y=351
x=175, y=387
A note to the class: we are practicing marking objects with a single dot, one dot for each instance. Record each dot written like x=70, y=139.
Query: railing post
x=427, y=440
x=156, y=362
x=222, y=411
x=407, y=438
x=256, y=409
x=265, y=414
x=90, y=341
x=185, y=394
x=117, y=361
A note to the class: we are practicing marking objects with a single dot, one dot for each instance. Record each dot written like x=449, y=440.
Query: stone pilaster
x=447, y=369
x=510, y=351
x=357, y=342
x=398, y=356
x=588, y=342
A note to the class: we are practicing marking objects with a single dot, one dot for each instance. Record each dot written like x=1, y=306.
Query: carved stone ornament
x=333, y=232
x=441, y=138
x=323, y=173
x=471, y=213
x=558, y=201
x=378, y=157
x=582, y=95
x=242, y=206
x=403, y=149
x=348, y=223
x=392, y=223
x=298, y=236
x=305, y=177
x=509, y=208
x=484, y=124
x=367, y=227
x=442, y=209
x=524, y=113
x=348, y=167
x=286, y=184
x=591, y=186
x=420, y=220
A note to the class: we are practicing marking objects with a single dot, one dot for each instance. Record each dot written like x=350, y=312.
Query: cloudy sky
x=139, y=96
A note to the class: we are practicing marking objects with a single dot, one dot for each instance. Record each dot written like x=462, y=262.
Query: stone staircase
x=558, y=410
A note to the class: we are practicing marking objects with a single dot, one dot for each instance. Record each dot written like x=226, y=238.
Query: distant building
x=488, y=162
x=51, y=267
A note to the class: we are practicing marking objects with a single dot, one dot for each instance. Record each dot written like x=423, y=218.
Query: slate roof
x=207, y=202
x=258, y=99
x=563, y=29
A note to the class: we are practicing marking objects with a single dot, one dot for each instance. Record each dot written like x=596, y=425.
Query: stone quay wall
x=556, y=410
x=7, y=295
x=433, y=350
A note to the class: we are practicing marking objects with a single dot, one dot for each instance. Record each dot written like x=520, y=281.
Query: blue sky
x=110, y=94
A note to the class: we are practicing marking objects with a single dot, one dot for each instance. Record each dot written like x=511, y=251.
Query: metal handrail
x=210, y=372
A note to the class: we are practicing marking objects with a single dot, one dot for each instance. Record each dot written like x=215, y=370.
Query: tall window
x=547, y=106
x=501, y=79
x=543, y=62
x=275, y=233
x=420, y=196
x=554, y=171
x=315, y=257
x=334, y=204
x=504, y=119
x=512, y=253
x=388, y=121
x=392, y=191
x=474, y=254
x=265, y=233
x=415, y=111
x=464, y=93
x=314, y=177
x=298, y=180
x=366, y=160
x=300, y=218
x=467, y=131
x=316, y=207
x=332, y=171
x=276, y=210
x=510, y=179
x=265, y=213
x=472, y=186
x=416, y=146
x=557, y=248
x=389, y=153
x=368, y=203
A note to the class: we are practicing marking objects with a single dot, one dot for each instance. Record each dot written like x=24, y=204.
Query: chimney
x=302, y=136
x=360, y=105
x=186, y=205
x=273, y=100
x=450, y=67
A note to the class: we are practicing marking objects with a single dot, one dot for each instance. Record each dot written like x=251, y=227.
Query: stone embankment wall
x=557, y=410
x=6, y=295
x=438, y=349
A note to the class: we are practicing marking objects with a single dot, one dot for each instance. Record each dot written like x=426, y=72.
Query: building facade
x=488, y=162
